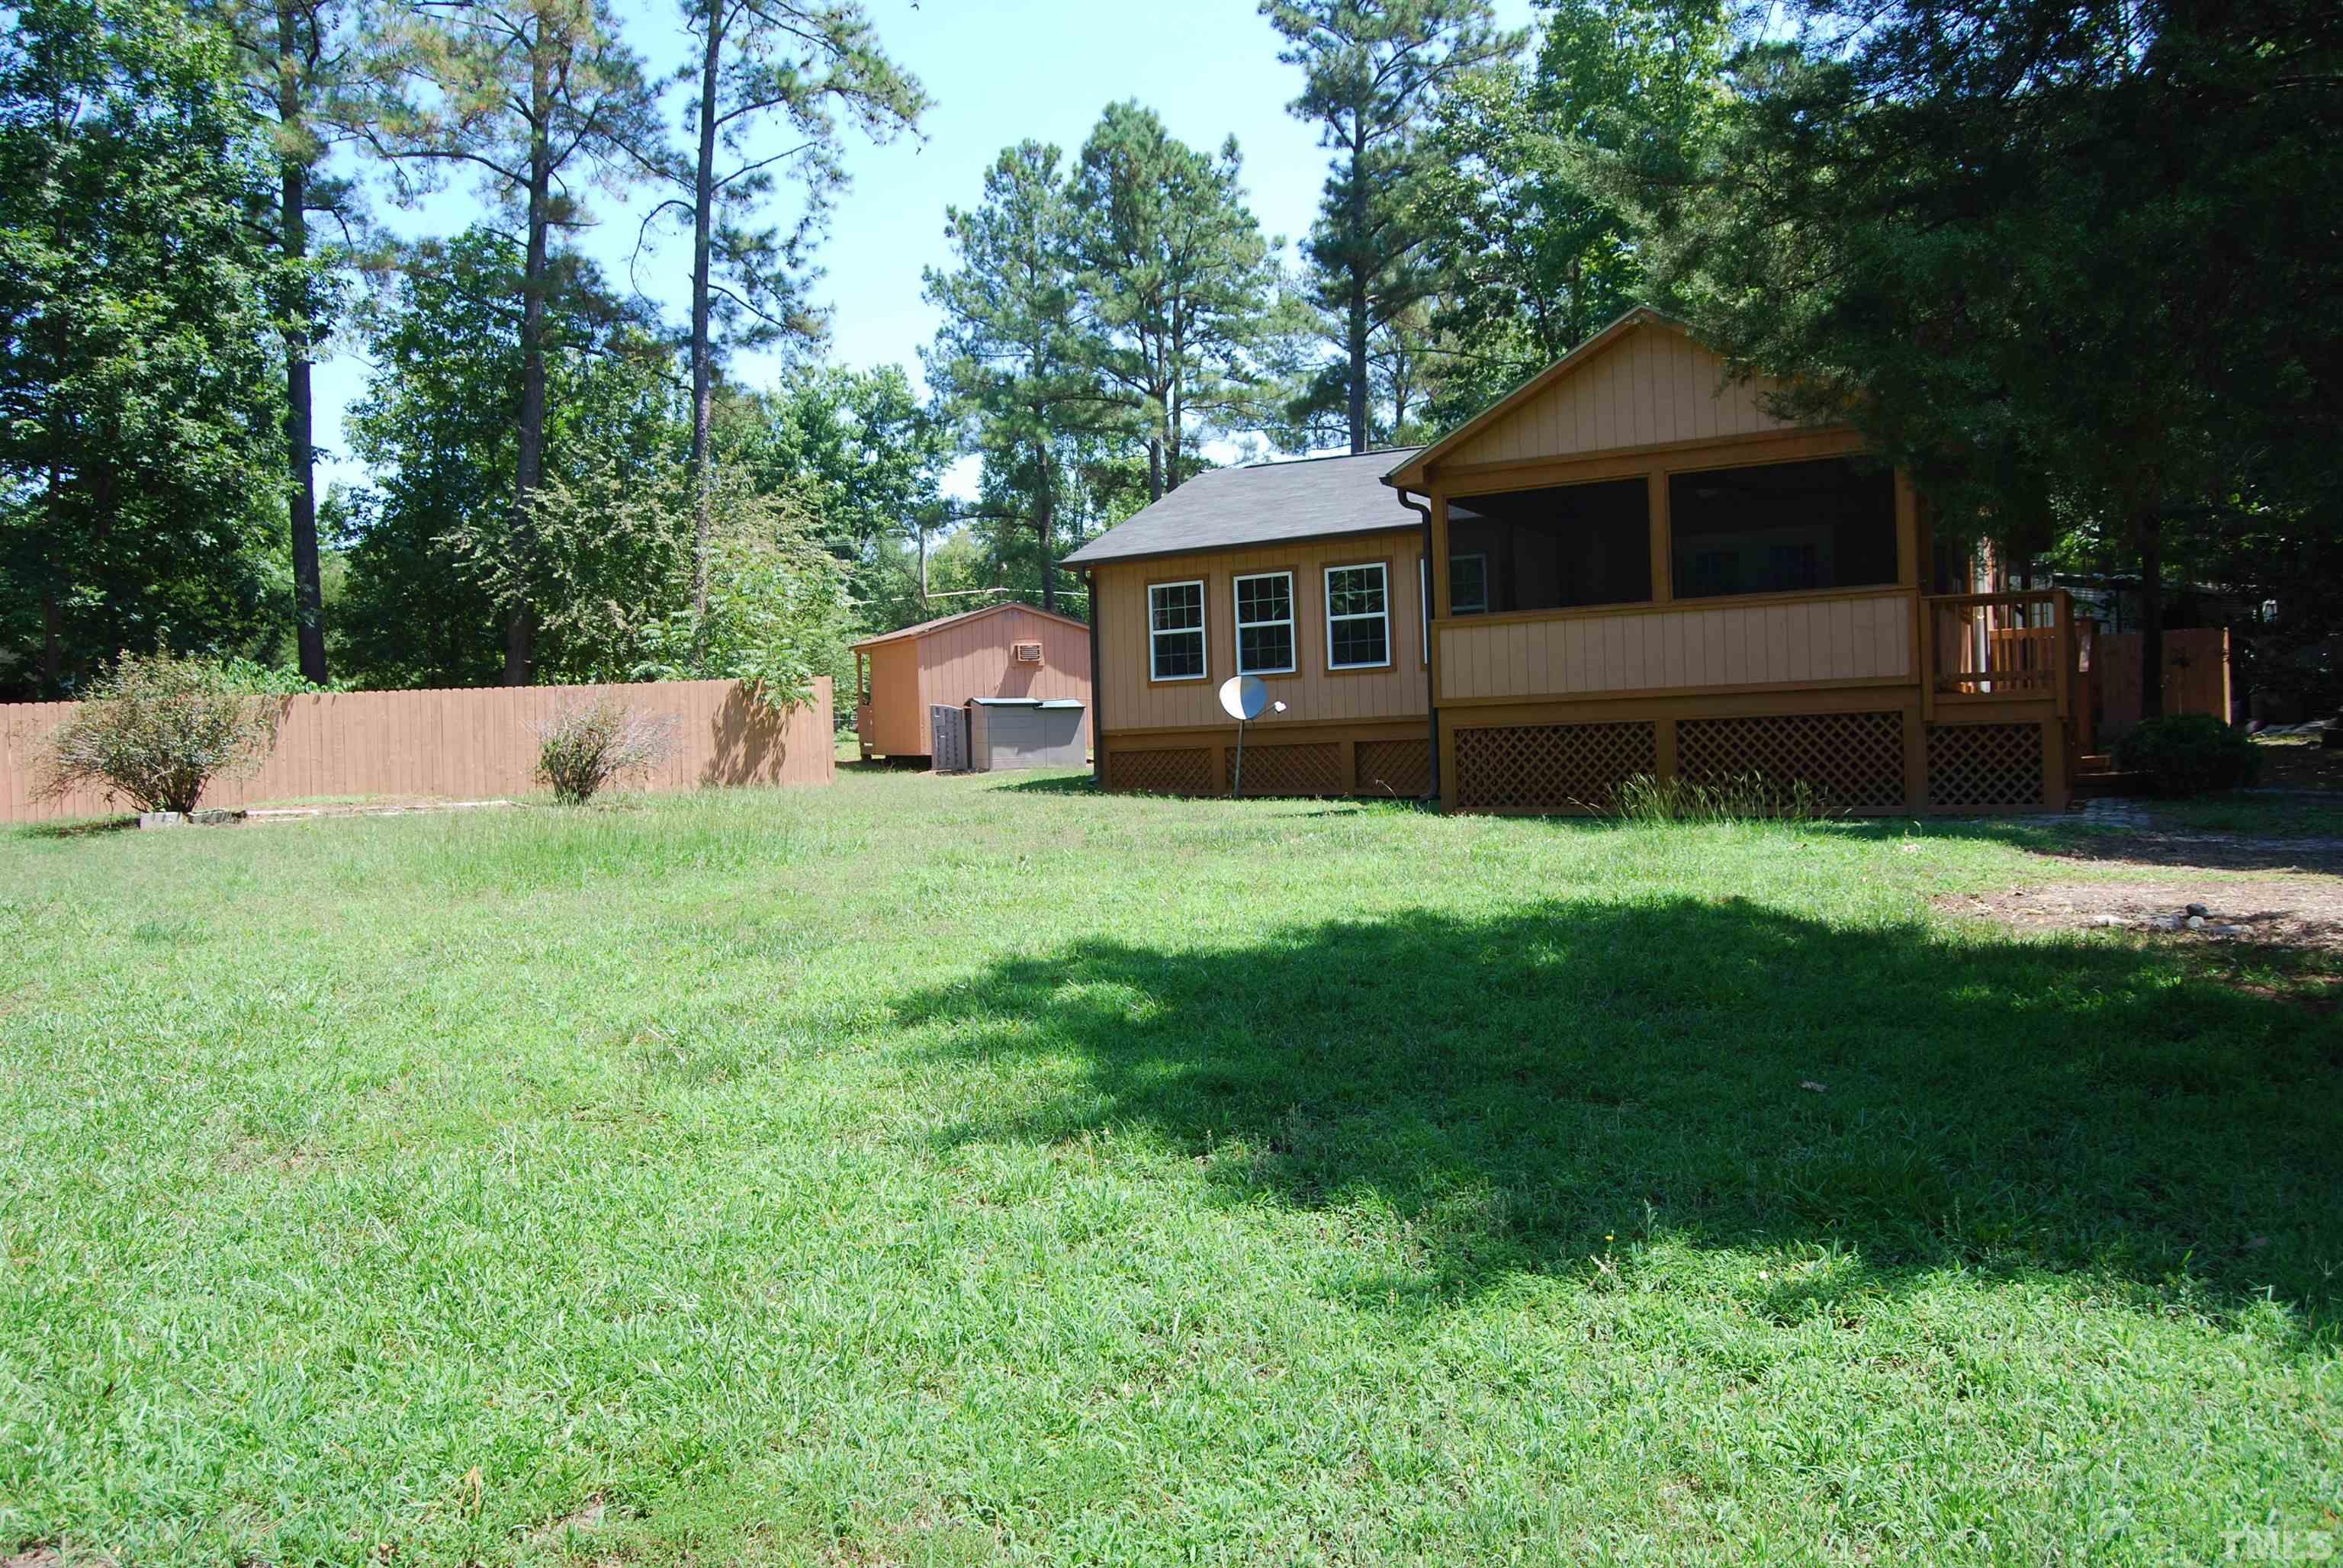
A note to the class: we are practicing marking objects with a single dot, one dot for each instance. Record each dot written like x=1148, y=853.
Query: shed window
x=1265, y=624
x=1782, y=528
x=1358, y=617
x=1551, y=548
x=1175, y=634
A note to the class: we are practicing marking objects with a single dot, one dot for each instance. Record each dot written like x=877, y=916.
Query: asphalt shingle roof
x=1260, y=503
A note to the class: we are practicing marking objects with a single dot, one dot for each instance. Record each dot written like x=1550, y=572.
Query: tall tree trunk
x=52, y=642
x=528, y=466
x=1358, y=350
x=1179, y=437
x=2148, y=529
x=703, y=379
x=53, y=610
x=300, y=451
x=1358, y=268
x=1045, y=504
x=1155, y=467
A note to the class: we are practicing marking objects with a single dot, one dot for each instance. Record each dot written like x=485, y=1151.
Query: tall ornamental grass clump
x=158, y=730
x=583, y=750
x=1744, y=797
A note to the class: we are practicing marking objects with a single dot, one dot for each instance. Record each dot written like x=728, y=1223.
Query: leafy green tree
x=1177, y=280
x=138, y=419
x=809, y=64
x=310, y=77
x=1013, y=359
x=759, y=598
x=1374, y=72
x=431, y=570
x=536, y=96
x=2067, y=262
x=865, y=456
x=1530, y=240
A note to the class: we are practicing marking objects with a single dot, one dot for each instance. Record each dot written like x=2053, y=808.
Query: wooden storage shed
x=1005, y=651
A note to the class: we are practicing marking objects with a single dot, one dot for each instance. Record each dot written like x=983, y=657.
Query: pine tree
x=1529, y=240
x=2064, y=262
x=1374, y=71
x=1176, y=279
x=808, y=65
x=309, y=73
x=1011, y=359
x=536, y=96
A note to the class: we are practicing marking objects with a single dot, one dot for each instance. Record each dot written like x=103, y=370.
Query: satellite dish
x=1243, y=695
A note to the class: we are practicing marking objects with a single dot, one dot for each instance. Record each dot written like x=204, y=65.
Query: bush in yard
x=584, y=748
x=2188, y=754
x=156, y=729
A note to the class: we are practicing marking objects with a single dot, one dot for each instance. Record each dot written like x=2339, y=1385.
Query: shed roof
x=1260, y=503
x=925, y=627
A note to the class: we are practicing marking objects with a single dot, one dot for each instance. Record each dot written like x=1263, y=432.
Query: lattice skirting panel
x=1549, y=767
x=1179, y=770
x=1400, y=769
x=1984, y=764
x=1311, y=768
x=1854, y=762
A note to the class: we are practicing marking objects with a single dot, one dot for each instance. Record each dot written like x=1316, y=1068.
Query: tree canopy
x=140, y=503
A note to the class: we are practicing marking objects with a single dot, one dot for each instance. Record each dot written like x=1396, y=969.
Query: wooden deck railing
x=2001, y=648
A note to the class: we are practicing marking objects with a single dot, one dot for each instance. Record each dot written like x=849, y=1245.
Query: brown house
x=1634, y=569
x=1003, y=650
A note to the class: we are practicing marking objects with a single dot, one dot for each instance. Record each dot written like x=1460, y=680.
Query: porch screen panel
x=1782, y=528
x=1551, y=548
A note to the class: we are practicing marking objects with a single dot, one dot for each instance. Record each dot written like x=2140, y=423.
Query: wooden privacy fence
x=2195, y=676
x=465, y=745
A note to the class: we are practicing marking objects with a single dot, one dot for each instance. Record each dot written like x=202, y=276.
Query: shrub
x=1644, y=798
x=584, y=748
x=156, y=730
x=2188, y=754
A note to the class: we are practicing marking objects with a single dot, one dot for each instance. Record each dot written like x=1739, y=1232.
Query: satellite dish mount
x=1243, y=695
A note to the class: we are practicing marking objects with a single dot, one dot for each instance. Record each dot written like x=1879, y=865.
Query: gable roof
x=1259, y=503
x=923, y=627
x=1730, y=411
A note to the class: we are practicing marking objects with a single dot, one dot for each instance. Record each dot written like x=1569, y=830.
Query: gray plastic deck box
x=1006, y=732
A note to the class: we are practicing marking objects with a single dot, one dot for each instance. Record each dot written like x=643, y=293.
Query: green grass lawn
x=978, y=1169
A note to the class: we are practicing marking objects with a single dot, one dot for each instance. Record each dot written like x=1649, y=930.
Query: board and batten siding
x=897, y=717
x=1129, y=701
x=1680, y=646
x=1652, y=387
x=973, y=658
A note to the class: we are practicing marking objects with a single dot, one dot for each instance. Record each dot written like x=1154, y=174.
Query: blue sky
x=999, y=71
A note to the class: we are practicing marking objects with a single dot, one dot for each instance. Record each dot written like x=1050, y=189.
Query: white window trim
x=1326, y=586
x=1201, y=630
x=1481, y=556
x=1290, y=622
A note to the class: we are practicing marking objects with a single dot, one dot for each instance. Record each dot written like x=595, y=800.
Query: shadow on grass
x=1055, y=784
x=2166, y=845
x=83, y=828
x=1522, y=1086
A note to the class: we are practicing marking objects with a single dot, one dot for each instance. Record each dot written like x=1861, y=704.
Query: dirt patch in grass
x=2303, y=912
x=53, y=1557
x=373, y=806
